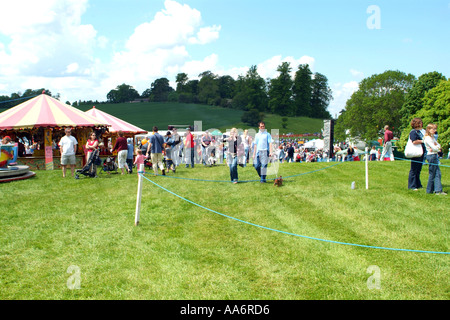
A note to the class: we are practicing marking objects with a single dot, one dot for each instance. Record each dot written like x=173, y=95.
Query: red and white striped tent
x=116, y=123
x=45, y=111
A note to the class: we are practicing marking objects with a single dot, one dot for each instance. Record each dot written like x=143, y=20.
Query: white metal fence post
x=367, y=168
x=139, y=194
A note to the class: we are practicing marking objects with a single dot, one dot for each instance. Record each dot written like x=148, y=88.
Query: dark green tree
x=226, y=87
x=122, y=93
x=160, y=90
x=146, y=93
x=256, y=88
x=280, y=91
x=413, y=101
x=7, y=102
x=251, y=91
x=376, y=103
x=208, y=88
x=302, y=91
x=181, y=80
x=33, y=93
x=321, y=96
x=240, y=98
x=189, y=92
x=226, y=90
x=252, y=117
x=435, y=109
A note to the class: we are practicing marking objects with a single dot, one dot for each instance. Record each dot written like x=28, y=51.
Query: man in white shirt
x=262, y=151
x=68, y=149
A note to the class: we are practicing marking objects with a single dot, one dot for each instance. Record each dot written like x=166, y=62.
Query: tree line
x=394, y=98
x=16, y=98
x=306, y=95
x=391, y=98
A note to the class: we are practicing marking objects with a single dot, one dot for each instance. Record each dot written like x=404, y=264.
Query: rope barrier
x=289, y=233
x=244, y=181
x=426, y=163
x=18, y=99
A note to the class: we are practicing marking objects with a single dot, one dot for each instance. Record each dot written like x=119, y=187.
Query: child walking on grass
x=139, y=159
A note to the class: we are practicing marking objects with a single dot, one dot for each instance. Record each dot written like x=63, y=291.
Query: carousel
x=36, y=126
x=9, y=170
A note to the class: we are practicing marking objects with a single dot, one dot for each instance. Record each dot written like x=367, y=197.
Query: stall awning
x=45, y=111
x=116, y=123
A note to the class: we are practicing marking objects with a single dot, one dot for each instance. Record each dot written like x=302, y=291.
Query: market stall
x=38, y=124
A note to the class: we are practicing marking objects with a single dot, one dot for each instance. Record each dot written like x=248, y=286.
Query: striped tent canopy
x=45, y=111
x=116, y=123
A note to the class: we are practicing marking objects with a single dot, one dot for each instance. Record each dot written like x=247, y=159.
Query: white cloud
x=159, y=48
x=174, y=26
x=356, y=73
x=341, y=93
x=268, y=68
x=33, y=16
x=140, y=69
x=102, y=42
x=45, y=37
x=73, y=67
x=50, y=47
x=206, y=35
x=194, y=68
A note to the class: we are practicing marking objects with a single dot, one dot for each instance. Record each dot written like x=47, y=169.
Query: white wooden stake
x=139, y=195
x=367, y=168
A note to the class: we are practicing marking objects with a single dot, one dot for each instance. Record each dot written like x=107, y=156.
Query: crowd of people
x=172, y=150
x=168, y=151
x=239, y=149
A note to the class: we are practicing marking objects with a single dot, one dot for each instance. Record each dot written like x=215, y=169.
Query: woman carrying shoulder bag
x=234, y=140
x=416, y=137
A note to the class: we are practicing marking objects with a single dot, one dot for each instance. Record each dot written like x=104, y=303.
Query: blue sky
x=82, y=49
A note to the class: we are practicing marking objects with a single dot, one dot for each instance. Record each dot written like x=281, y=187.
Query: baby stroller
x=210, y=155
x=110, y=165
x=90, y=169
x=147, y=164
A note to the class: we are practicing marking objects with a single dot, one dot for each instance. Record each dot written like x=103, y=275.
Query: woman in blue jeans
x=433, y=147
x=350, y=152
x=234, y=140
x=416, y=137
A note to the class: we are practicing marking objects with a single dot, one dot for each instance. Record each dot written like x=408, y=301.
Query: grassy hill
x=148, y=114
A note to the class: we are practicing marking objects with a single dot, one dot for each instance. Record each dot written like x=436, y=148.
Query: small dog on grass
x=278, y=182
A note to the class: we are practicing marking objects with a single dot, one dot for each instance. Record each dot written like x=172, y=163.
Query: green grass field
x=146, y=115
x=180, y=251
